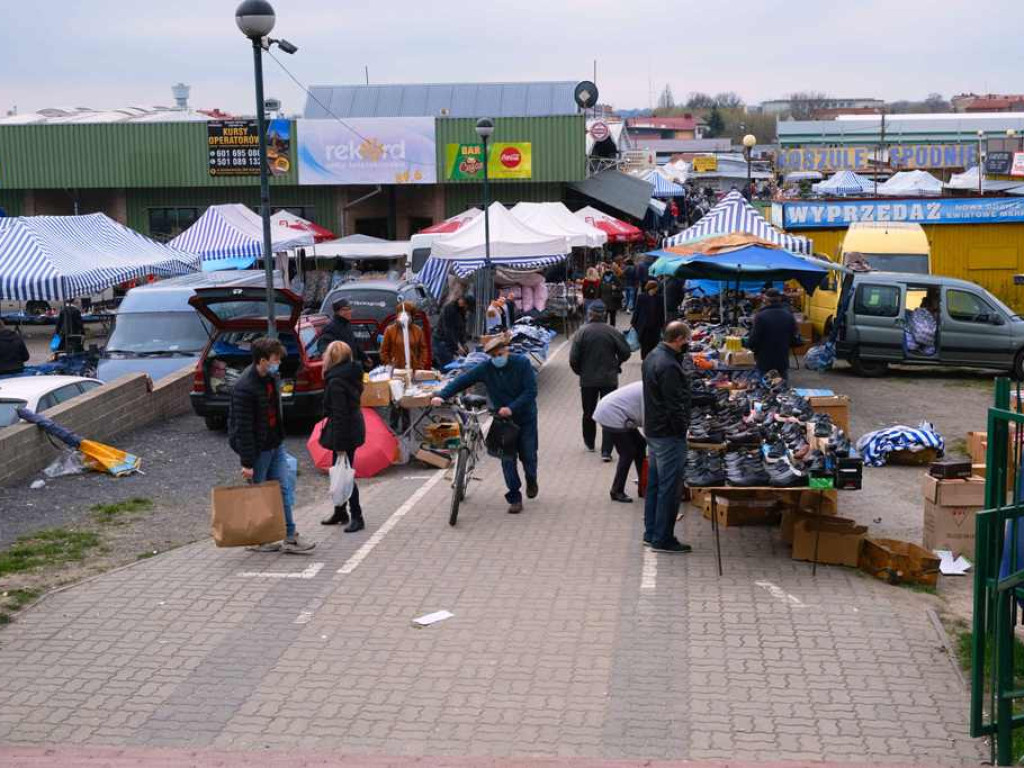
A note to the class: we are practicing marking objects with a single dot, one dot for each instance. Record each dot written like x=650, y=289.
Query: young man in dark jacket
x=772, y=335
x=13, y=352
x=451, y=334
x=256, y=433
x=597, y=354
x=340, y=329
x=512, y=388
x=666, y=421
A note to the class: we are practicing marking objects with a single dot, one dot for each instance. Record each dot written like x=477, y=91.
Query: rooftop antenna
x=366, y=69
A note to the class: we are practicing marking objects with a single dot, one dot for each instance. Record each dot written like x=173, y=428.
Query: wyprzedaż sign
x=233, y=147
x=906, y=158
x=378, y=150
x=505, y=160
x=839, y=215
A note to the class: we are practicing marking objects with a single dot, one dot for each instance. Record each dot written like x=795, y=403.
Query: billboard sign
x=378, y=150
x=839, y=215
x=1017, y=169
x=505, y=160
x=904, y=158
x=233, y=147
x=705, y=164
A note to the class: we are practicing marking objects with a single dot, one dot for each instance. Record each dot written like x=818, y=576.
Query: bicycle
x=468, y=410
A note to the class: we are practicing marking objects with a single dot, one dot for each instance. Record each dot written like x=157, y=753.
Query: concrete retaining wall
x=103, y=414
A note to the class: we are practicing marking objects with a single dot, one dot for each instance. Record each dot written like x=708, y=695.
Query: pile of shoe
x=705, y=469
x=746, y=469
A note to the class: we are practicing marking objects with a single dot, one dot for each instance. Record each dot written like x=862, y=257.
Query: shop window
x=167, y=223
x=877, y=300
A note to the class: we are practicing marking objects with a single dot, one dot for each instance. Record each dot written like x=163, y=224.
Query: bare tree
x=698, y=100
x=728, y=100
x=666, y=100
x=804, y=104
x=935, y=103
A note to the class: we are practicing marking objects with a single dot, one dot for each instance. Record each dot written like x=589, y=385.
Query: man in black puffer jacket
x=598, y=352
x=340, y=329
x=256, y=433
x=13, y=352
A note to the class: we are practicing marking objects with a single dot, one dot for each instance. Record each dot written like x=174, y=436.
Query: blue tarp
x=753, y=262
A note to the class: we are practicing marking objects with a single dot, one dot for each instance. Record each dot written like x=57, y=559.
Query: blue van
x=157, y=331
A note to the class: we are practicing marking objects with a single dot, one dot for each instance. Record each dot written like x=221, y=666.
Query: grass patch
x=922, y=588
x=145, y=555
x=53, y=546
x=113, y=513
x=14, y=600
x=958, y=446
x=962, y=644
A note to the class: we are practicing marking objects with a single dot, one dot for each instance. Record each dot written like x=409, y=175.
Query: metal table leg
x=715, y=530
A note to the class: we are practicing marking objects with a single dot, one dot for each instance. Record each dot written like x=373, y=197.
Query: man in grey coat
x=598, y=352
x=621, y=414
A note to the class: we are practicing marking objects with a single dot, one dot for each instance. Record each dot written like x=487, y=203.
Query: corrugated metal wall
x=113, y=156
x=459, y=197
x=986, y=254
x=141, y=200
x=559, y=144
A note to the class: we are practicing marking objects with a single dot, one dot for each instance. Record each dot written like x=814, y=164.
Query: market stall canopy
x=749, y=262
x=556, y=219
x=796, y=177
x=454, y=224
x=52, y=258
x=231, y=237
x=617, y=190
x=735, y=214
x=662, y=186
x=513, y=245
x=911, y=184
x=845, y=183
x=295, y=223
x=618, y=231
x=968, y=182
x=379, y=249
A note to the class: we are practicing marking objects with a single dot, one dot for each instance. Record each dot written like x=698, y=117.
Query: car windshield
x=367, y=304
x=148, y=332
x=9, y=411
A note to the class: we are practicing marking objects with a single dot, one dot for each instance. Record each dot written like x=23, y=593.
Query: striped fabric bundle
x=876, y=446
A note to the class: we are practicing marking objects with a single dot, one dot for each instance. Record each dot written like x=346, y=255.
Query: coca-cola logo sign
x=511, y=157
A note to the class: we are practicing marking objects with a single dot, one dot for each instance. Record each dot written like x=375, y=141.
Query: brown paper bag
x=247, y=515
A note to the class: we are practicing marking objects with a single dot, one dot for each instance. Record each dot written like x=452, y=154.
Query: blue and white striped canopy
x=231, y=237
x=52, y=258
x=845, y=183
x=735, y=214
x=663, y=187
x=434, y=274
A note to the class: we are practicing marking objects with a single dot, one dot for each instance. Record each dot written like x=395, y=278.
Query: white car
x=38, y=393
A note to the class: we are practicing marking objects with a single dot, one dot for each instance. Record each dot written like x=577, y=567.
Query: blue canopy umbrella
x=748, y=263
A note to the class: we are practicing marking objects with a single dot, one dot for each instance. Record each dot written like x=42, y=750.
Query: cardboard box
x=827, y=502
x=416, y=401
x=949, y=528
x=954, y=493
x=836, y=406
x=738, y=508
x=376, y=394
x=792, y=516
x=836, y=540
x=433, y=459
x=403, y=373
x=913, y=458
x=742, y=359
x=899, y=562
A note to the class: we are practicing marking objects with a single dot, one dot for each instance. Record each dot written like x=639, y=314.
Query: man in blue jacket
x=512, y=387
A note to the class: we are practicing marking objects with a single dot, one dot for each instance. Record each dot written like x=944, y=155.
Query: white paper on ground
x=432, y=618
x=950, y=566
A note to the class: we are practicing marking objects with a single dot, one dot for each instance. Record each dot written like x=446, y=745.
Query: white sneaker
x=272, y=547
x=296, y=544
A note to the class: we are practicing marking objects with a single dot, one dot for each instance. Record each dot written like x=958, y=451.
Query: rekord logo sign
x=369, y=150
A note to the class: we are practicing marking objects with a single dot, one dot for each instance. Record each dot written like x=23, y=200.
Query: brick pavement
x=563, y=644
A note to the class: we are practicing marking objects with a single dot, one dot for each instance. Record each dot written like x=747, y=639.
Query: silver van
x=973, y=328
x=157, y=332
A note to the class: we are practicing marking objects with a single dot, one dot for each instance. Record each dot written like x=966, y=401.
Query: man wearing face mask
x=512, y=387
x=256, y=434
x=666, y=421
x=392, y=348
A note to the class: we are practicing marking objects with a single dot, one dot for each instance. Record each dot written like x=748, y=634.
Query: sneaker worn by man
x=672, y=548
x=295, y=544
x=606, y=457
x=531, y=489
x=515, y=508
x=274, y=546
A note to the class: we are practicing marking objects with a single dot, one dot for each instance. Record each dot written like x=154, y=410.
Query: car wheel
x=871, y=369
x=215, y=423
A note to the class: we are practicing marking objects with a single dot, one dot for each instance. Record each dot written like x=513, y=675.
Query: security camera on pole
x=255, y=18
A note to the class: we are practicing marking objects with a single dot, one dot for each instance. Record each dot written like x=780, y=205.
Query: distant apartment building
x=988, y=102
x=836, y=105
x=685, y=128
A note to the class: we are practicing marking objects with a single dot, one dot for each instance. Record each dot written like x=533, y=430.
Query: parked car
x=157, y=332
x=974, y=328
x=377, y=299
x=39, y=393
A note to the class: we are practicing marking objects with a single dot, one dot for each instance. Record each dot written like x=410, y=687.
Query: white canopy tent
x=845, y=183
x=555, y=219
x=385, y=249
x=911, y=184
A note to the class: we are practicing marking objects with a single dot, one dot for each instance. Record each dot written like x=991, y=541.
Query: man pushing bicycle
x=512, y=387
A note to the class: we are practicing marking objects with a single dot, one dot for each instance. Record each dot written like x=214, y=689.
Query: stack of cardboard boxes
x=949, y=510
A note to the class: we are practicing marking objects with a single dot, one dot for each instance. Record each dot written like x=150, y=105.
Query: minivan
x=886, y=246
x=974, y=328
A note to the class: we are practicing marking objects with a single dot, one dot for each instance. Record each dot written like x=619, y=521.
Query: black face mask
x=685, y=348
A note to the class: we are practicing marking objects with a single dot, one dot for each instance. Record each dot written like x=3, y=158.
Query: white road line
x=307, y=573
x=649, y=577
x=780, y=594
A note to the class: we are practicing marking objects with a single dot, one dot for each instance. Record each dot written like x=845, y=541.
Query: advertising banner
x=279, y=147
x=378, y=150
x=233, y=147
x=705, y=164
x=904, y=158
x=837, y=215
x=505, y=160
x=998, y=163
x=1017, y=169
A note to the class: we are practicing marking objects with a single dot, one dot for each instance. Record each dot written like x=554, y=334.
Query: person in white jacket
x=621, y=413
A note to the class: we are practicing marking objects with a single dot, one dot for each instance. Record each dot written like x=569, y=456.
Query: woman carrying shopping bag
x=345, y=429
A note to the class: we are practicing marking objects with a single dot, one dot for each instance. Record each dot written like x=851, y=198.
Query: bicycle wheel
x=459, y=488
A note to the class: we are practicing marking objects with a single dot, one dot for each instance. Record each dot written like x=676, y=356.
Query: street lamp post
x=255, y=19
x=981, y=164
x=749, y=142
x=484, y=129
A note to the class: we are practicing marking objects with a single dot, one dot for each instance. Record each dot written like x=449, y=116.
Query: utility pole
x=881, y=148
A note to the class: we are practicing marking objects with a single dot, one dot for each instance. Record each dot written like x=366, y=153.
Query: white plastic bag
x=343, y=480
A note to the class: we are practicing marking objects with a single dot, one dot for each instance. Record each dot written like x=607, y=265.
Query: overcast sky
x=110, y=53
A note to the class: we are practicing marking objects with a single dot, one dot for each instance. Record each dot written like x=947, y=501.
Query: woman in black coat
x=649, y=318
x=345, y=429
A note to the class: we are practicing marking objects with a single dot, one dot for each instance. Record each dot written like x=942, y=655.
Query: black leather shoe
x=621, y=498
x=531, y=489
x=338, y=517
x=357, y=523
x=515, y=508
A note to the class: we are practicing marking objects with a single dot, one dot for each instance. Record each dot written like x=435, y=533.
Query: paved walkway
x=568, y=640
